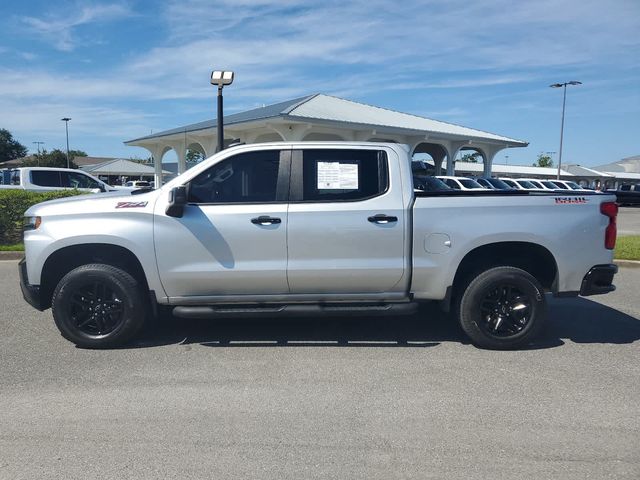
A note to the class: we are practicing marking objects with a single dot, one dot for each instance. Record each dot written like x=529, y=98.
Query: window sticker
x=337, y=176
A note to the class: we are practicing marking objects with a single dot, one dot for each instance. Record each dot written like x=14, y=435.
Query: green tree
x=543, y=161
x=470, y=157
x=193, y=157
x=55, y=158
x=10, y=149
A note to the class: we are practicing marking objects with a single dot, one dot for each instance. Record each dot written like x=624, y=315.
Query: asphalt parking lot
x=629, y=221
x=381, y=398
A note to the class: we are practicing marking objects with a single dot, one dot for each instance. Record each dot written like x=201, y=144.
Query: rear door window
x=46, y=178
x=338, y=175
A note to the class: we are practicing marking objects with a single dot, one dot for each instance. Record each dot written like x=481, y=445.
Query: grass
x=17, y=247
x=628, y=248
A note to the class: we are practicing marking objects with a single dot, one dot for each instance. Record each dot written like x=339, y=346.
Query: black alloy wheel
x=99, y=306
x=96, y=309
x=501, y=308
x=505, y=310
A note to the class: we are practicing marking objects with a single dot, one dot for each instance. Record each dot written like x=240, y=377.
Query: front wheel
x=98, y=306
x=502, y=308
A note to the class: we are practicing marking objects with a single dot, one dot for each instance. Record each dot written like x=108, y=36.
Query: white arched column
x=452, y=150
x=157, y=151
x=489, y=154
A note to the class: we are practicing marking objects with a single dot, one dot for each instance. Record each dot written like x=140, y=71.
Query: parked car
x=493, y=183
x=304, y=228
x=461, y=183
x=536, y=183
x=44, y=179
x=429, y=184
x=513, y=183
x=569, y=185
x=138, y=184
x=627, y=194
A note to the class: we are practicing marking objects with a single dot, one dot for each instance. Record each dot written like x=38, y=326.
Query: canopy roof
x=328, y=110
x=120, y=166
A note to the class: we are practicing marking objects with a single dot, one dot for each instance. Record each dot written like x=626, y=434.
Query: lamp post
x=66, y=127
x=38, y=145
x=564, y=101
x=221, y=78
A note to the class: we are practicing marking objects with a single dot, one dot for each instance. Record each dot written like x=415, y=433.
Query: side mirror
x=177, y=202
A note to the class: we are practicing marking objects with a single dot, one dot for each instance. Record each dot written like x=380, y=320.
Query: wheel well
x=66, y=259
x=530, y=257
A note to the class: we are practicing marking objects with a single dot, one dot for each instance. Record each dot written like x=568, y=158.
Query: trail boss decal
x=131, y=204
x=571, y=200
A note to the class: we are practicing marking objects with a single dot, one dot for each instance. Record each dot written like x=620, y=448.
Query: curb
x=627, y=263
x=11, y=255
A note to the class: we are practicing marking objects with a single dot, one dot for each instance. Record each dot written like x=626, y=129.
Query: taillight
x=610, y=209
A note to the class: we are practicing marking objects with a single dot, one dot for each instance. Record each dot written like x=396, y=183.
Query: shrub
x=13, y=204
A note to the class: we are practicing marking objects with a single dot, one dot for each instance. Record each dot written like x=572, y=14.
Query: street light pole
x=66, y=126
x=221, y=78
x=564, y=101
x=38, y=145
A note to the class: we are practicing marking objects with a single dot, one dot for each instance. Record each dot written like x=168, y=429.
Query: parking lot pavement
x=629, y=221
x=381, y=398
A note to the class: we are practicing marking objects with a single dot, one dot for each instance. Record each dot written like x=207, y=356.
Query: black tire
x=99, y=306
x=502, y=308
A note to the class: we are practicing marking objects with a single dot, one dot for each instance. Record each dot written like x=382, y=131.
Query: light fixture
x=221, y=78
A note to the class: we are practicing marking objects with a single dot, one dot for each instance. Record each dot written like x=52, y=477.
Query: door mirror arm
x=177, y=201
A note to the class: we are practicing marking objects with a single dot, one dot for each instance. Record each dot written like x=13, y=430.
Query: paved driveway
x=629, y=221
x=314, y=398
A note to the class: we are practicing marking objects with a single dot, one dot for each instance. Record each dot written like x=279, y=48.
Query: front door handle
x=382, y=219
x=265, y=220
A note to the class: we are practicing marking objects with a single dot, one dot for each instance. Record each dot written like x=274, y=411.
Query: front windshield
x=511, y=183
x=574, y=185
x=468, y=183
x=430, y=184
x=499, y=184
x=526, y=184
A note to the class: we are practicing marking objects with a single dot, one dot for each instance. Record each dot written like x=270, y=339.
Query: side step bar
x=312, y=310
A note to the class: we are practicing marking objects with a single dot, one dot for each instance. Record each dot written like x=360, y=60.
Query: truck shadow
x=577, y=319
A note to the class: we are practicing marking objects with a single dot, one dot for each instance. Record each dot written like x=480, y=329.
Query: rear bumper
x=599, y=280
x=31, y=293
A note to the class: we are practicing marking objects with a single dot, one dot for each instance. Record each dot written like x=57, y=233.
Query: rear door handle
x=265, y=220
x=382, y=218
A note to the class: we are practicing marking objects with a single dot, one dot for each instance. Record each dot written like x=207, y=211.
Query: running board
x=316, y=310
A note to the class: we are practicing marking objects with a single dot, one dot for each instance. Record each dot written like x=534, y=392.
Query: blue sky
x=123, y=69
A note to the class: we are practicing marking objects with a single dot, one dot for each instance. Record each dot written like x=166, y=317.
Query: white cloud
x=58, y=28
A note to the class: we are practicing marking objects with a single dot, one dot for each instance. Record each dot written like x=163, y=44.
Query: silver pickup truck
x=306, y=228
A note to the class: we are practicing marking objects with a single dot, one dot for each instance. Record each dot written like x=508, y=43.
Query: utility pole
x=66, y=126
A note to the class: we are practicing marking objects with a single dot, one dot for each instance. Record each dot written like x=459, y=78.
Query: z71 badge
x=131, y=204
x=571, y=200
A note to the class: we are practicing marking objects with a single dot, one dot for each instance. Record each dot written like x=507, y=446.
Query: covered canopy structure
x=119, y=167
x=322, y=117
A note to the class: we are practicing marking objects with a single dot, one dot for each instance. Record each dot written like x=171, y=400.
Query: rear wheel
x=98, y=306
x=502, y=308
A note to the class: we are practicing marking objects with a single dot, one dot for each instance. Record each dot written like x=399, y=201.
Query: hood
x=97, y=203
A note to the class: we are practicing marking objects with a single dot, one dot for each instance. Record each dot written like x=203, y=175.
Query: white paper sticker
x=337, y=176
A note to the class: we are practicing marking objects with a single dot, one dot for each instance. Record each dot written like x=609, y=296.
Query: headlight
x=31, y=223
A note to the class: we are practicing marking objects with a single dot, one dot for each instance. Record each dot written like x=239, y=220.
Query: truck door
x=346, y=222
x=232, y=237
